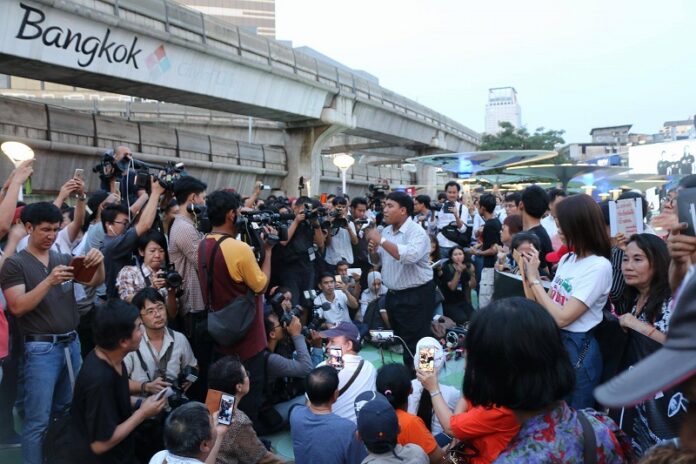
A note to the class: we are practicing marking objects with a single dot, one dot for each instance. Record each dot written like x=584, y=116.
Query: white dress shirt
x=413, y=267
x=340, y=247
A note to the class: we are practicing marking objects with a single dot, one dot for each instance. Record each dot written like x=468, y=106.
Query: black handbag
x=228, y=325
x=452, y=233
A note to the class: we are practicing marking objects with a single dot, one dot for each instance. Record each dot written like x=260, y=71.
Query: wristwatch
x=535, y=282
x=384, y=239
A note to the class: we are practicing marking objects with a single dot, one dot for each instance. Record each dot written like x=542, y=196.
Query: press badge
x=310, y=252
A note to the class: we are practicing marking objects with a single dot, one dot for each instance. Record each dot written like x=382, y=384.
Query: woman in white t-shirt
x=579, y=289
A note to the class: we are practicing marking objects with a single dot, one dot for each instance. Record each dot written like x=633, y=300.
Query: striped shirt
x=183, y=253
x=412, y=269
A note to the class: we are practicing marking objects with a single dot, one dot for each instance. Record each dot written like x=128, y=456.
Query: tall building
x=255, y=15
x=502, y=106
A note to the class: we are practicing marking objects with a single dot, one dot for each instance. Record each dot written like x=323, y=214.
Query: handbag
x=461, y=453
x=228, y=325
x=452, y=233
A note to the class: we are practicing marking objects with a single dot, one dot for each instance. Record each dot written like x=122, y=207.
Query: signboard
x=37, y=32
x=665, y=159
x=626, y=217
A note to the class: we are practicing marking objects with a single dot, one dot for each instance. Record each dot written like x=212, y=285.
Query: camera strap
x=352, y=379
x=208, y=269
x=161, y=363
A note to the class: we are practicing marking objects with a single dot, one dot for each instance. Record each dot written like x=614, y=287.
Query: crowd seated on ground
x=172, y=325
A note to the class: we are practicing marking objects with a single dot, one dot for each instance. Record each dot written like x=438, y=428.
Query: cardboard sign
x=626, y=217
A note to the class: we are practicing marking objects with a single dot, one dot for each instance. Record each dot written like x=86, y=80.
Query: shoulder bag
x=228, y=325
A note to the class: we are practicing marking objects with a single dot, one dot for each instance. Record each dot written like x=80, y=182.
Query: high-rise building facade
x=502, y=106
x=255, y=15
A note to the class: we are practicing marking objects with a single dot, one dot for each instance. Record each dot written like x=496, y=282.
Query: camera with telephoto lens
x=376, y=194
x=447, y=206
x=317, y=321
x=200, y=217
x=338, y=220
x=171, y=276
x=434, y=206
x=108, y=168
x=166, y=175
x=188, y=374
x=250, y=224
x=286, y=319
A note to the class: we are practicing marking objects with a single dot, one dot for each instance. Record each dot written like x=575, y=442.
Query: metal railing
x=192, y=26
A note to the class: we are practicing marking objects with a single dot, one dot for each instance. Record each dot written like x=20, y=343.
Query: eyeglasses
x=153, y=311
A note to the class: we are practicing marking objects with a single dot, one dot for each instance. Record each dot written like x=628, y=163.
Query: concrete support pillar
x=426, y=176
x=303, y=147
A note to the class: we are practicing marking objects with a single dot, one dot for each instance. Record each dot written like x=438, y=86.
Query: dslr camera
x=171, y=276
x=188, y=374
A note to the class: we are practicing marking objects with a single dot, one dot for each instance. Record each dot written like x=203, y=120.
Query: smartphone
x=117, y=187
x=167, y=392
x=339, y=278
x=426, y=359
x=381, y=335
x=79, y=174
x=226, y=409
x=335, y=357
x=265, y=187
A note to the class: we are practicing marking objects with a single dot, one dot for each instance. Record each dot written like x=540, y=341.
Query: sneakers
x=12, y=440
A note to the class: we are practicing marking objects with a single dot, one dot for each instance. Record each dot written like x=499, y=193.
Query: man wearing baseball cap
x=378, y=428
x=357, y=375
x=672, y=365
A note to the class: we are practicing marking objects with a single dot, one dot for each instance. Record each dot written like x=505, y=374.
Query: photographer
x=361, y=259
x=340, y=301
x=286, y=366
x=341, y=235
x=116, y=167
x=120, y=239
x=298, y=253
x=452, y=212
x=235, y=273
x=162, y=354
x=132, y=279
x=422, y=214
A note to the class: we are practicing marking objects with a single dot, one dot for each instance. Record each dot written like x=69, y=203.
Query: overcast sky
x=575, y=65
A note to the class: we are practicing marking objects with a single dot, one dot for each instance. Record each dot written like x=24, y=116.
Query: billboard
x=665, y=159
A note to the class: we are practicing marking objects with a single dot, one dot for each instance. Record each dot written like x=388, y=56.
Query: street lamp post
x=18, y=152
x=343, y=161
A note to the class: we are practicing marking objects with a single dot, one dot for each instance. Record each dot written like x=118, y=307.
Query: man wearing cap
x=673, y=365
x=357, y=374
x=378, y=428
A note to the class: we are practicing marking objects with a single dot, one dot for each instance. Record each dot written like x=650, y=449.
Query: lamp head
x=17, y=152
x=343, y=161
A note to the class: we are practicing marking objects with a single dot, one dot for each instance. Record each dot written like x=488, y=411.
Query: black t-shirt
x=296, y=252
x=545, y=245
x=100, y=403
x=491, y=236
x=458, y=294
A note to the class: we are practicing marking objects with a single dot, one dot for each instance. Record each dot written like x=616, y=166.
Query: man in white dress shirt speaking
x=403, y=249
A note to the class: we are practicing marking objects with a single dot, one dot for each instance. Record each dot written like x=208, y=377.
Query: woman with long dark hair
x=579, y=290
x=647, y=297
x=456, y=282
x=516, y=360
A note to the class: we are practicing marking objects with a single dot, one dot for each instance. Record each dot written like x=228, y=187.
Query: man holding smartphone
x=38, y=286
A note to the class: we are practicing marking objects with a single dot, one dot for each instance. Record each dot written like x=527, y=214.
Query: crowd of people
x=159, y=322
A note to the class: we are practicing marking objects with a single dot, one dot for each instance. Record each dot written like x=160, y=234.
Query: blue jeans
x=588, y=372
x=47, y=391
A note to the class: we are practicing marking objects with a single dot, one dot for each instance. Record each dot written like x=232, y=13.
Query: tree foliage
x=511, y=138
